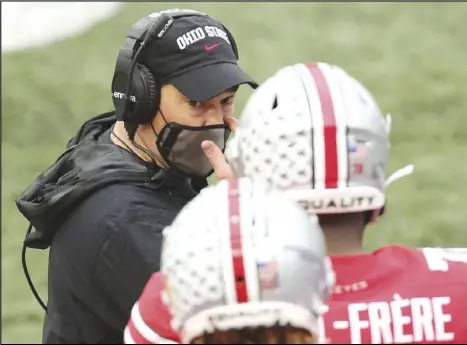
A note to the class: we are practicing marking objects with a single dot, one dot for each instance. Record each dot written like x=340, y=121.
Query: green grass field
x=413, y=57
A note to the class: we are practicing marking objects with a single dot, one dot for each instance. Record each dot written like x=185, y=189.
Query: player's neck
x=344, y=241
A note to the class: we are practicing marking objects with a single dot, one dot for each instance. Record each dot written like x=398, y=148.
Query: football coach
x=102, y=206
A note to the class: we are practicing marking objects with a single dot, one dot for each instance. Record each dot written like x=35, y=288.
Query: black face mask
x=180, y=146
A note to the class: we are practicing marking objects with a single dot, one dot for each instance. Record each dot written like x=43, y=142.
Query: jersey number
x=438, y=258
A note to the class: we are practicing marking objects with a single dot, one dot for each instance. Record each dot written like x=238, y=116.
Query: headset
x=140, y=101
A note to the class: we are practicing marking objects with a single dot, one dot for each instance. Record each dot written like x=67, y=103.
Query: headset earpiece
x=144, y=98
x=150, y=100
x=119, y=84
x=135, y=92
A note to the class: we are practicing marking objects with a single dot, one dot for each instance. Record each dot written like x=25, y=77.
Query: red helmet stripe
x=236, y=242
x=331, y=160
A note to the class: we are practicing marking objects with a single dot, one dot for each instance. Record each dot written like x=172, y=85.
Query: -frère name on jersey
x=199, y=34
x=400, y=321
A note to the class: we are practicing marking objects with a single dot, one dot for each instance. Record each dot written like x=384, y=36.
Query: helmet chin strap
x=398, y=174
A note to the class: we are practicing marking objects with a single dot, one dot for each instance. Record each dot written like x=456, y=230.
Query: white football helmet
x=316, y=132
x=240, y=255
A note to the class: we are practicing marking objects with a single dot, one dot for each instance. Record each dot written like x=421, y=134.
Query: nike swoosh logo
x=209, y=48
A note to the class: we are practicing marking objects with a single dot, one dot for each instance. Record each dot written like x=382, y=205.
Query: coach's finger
x=232, y=122
x=222, y=169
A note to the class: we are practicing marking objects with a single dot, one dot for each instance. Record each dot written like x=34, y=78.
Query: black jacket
x=101, y=209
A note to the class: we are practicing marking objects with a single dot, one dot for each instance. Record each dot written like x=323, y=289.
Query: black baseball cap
x=197, y=56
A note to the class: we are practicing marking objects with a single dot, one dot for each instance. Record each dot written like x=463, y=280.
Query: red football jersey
x=397, y=295
x=150, y=318
x=393, y=295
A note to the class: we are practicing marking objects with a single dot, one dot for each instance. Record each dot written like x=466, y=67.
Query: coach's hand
x=222, y=169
